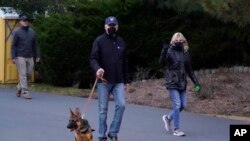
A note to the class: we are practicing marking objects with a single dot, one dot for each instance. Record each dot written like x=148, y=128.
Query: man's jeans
x=25, y=69
x=179, y=102
x=118, y=92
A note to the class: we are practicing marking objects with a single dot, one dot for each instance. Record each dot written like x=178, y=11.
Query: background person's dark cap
x=23, y=18
x=111, y=20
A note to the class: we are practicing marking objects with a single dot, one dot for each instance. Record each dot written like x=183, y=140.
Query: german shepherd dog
x=83, y=131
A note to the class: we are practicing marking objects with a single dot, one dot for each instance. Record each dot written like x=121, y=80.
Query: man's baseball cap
x=23, y=18
x=111, y=20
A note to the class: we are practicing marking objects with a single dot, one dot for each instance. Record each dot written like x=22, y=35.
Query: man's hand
x=37, y=60
x=100, y=72
x=14, y=61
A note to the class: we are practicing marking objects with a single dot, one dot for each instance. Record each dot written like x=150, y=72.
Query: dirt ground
x=222, y=94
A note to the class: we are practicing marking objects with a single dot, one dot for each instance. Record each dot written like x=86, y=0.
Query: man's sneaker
x=167, y=123
x=18, y=92
x=26, y=95
x=112, y=138
x=178, y=133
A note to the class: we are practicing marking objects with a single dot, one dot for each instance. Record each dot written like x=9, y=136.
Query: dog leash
x=85, y=107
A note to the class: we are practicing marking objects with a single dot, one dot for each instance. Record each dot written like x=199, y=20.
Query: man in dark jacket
x=178, y=67
x=23, y=52
x=108, y=59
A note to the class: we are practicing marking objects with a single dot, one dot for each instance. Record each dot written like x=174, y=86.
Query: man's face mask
x=112, y=31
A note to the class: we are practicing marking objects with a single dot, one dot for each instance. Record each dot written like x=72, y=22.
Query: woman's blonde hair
x=181, y=36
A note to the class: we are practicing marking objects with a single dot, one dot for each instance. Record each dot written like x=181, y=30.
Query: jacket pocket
x=175, y=77
x=172, y=77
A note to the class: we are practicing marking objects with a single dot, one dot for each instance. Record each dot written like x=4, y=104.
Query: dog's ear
x=78, y=113
x=71, y=112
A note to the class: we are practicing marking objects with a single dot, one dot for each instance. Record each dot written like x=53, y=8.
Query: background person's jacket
x=24, y=43
x=110, y=54
x=178, y=66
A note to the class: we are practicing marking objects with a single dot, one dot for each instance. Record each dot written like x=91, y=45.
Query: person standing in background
x=24, y=51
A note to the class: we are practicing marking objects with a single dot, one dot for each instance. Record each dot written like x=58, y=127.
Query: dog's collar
x=84, y=130
x=86, y=127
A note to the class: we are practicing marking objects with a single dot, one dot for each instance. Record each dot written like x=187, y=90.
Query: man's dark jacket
x=178, y=66
x=24, y=43
x=110, y=54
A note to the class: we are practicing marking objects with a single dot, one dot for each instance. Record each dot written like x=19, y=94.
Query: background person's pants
x=25, y=69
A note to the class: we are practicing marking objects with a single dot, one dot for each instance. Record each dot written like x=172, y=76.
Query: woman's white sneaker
x=178, y=133
x=167, y=123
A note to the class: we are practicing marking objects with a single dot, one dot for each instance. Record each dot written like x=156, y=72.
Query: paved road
x=44, y=118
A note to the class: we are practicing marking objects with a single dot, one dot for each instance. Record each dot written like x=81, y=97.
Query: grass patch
x=41, y=87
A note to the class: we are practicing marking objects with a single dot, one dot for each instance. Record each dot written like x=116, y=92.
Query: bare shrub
x=141, y=73
x=209, y=86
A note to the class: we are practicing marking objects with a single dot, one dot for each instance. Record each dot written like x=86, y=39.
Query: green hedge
x=62, y=50
x=66, y=39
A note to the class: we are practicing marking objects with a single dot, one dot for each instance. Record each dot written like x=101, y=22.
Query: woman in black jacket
x=176, y=59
